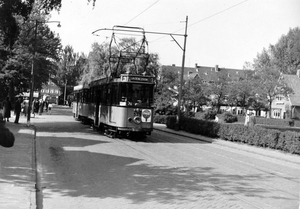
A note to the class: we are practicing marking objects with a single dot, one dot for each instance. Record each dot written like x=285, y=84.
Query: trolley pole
x=183, y=58
x=181, y=77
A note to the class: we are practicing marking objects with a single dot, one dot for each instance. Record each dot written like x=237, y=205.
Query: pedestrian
x=49, y=108
x=216, y=119
x=18, y=109
x=6, y=109
x=41, y=107
x=25, y=105
x=247, y=120
x=252, y=120
x=7, y=139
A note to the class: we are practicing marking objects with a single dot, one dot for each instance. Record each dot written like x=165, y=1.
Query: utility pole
x=32, y=68
x=181, y=77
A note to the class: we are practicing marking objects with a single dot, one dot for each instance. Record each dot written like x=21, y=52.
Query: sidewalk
x=17, y=169
x=275, y=154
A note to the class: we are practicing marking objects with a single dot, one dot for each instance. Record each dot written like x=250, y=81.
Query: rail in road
x=162, y=171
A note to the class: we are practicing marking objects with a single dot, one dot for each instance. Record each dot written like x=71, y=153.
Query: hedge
x=287, y=141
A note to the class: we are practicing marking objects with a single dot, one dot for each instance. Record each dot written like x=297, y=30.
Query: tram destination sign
x=136, y=78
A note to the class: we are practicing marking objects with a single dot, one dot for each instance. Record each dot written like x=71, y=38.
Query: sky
x=226, y=33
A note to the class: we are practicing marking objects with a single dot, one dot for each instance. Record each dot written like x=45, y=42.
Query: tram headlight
x=137, y=120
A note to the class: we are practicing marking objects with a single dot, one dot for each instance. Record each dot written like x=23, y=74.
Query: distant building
x=209, y=75
x=50, y=91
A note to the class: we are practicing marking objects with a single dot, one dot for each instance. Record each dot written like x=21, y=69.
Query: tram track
x=191, y=175
x=267, y=171
x=195, y=177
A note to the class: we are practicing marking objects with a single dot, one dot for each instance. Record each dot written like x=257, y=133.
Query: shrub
x=288, y=141
x=171, y=122
x=229, y=118
x=210, y=114
x=160, y=119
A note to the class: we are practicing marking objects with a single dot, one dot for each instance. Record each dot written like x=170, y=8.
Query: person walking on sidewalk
x=7, y=138
x=18, y=109
x=252, y=120
x=6, y=109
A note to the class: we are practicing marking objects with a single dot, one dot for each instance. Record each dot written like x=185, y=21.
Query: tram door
x=97, y=100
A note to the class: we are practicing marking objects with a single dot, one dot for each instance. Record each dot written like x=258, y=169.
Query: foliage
x=195, y=126
x=286, y=52
x=218, y=90
x=165, y=94
x=194, y=93
x=70, y=68
x=210, y=114
x=229, y=118
x=160, y=119
x=240, y=91
x=268, y=85
x=287, y=141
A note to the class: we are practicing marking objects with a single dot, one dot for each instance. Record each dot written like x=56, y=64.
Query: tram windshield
x=136, y=95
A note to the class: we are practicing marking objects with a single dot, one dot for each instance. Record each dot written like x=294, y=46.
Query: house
x=288, y=107
x=209, y=75
x=50, y=91
x=282, y=107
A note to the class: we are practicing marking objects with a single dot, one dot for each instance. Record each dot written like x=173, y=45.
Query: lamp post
x=32, y=68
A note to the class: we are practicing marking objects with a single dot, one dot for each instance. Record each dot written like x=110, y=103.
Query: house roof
x=293, y=81
x=205, y=73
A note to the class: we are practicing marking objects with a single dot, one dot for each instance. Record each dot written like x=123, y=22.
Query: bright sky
x=220, y=32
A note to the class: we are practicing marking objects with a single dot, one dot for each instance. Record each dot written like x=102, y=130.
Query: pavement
x=18, y=176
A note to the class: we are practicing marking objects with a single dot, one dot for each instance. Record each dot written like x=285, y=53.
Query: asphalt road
x=81, y=168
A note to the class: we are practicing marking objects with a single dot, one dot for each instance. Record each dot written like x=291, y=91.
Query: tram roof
x=79, y=87
x=125, y=78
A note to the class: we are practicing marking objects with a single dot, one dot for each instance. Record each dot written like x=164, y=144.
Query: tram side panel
x=127, y=118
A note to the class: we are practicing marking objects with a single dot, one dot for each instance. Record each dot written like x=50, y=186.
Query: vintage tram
x=120, y=102
x=122, y=106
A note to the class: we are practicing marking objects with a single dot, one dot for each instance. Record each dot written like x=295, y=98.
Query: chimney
x=298, y=73
x=216, y=68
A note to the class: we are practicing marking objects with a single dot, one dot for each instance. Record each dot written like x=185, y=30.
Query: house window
x=276, y=113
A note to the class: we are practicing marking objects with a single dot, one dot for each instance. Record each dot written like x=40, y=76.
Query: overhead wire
x=142, y=12
x=215, y=14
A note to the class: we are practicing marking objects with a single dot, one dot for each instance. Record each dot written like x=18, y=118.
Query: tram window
x=103, y=95
x=114, y=94
x=109, y=94
x=135, y=94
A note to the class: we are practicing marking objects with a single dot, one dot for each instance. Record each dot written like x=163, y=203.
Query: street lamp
x=32, y=67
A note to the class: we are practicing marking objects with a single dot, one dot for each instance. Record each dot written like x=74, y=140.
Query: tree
x=35, y=41
x=268, y=86
x=218, y=90
x=165, y=93
x=286, y=52
x=69, y=69
x=241, y=90
x=283, y=56
x=194, y=93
